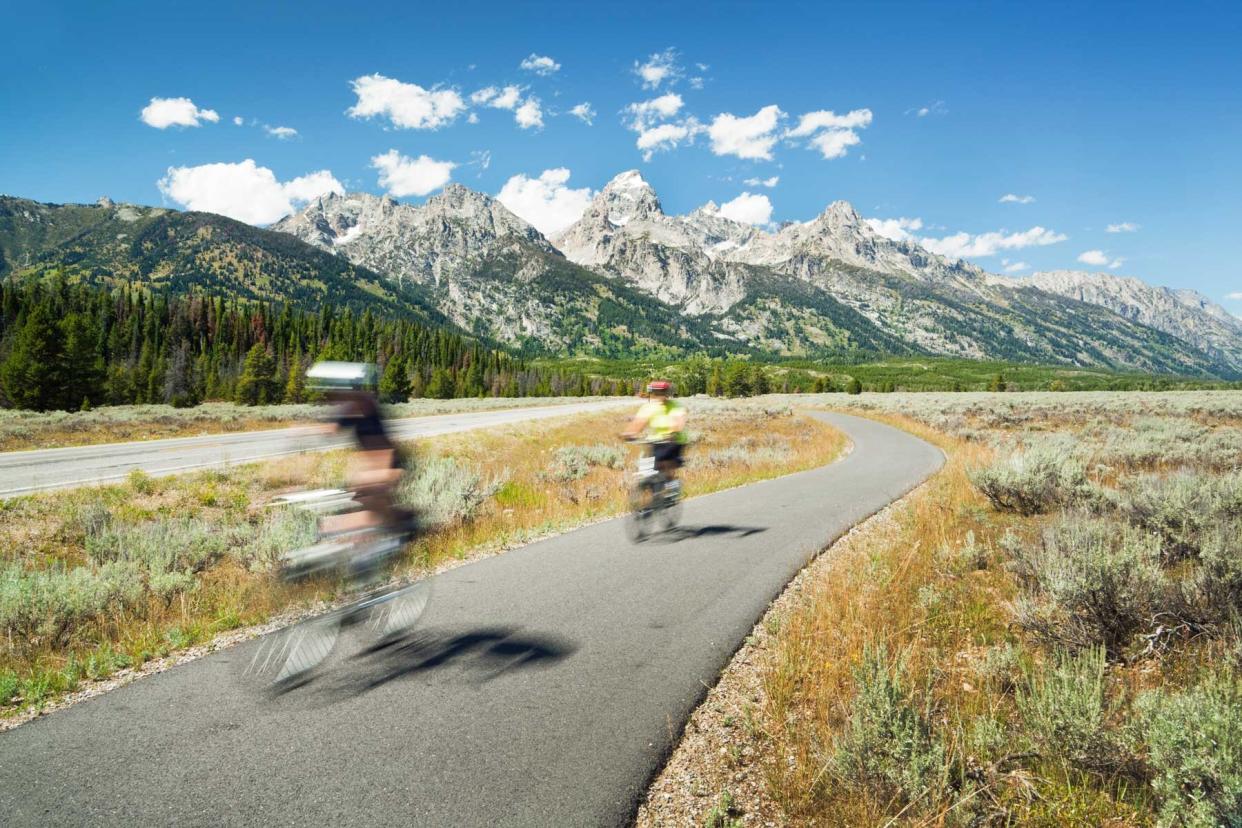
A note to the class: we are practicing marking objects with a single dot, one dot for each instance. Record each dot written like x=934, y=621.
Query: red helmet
x=659, y=387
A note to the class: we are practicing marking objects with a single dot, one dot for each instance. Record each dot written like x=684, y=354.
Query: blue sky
x=1090, y=114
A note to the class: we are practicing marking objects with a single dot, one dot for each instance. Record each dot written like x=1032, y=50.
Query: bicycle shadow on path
x=683, y=533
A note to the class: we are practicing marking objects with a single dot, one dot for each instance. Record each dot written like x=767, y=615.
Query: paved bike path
x=29, y=471
x=543, y=687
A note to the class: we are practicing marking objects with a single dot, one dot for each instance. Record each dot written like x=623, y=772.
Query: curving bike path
x=543, y=687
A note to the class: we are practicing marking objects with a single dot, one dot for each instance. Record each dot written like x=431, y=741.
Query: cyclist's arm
x=635, y=428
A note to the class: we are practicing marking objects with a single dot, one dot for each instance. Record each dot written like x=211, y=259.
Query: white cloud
x=644, y=114
x=529, y=115
x=1116, y=263
x=405, y=105
x=830, y=133
x=584, y=112
x=244, y=191
x=1122, y=227
x=933, y=108
x=1012, y=198
x=1093, y=257
x=666, y=137
x=472, y=118
x=646, y=117
x=540, y=64
x=962, y=245
x=763, y=182
x=508, y=98
x=746, y=137
x=401, y=175
x=284, y=133
x=481, y=159
x=1014, y=267
x=546, y=202
x=162, y=113
x=1235, y=296
x=748, y=208
x=662, y=67
x=812, y=122
x=238, y=120
x=898, y=229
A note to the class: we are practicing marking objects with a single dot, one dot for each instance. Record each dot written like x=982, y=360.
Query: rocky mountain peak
x=627, y=197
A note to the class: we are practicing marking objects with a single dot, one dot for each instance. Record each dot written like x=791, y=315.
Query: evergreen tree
x=737, y=380
x=998, y=383
x=83, y=365
x=32, y=372
x=853, y=386
x=257, y=382
x=715, y=382
x=394, y=384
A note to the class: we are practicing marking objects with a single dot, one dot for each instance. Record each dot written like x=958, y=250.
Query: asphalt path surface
x=22, y=472
x=542, y=687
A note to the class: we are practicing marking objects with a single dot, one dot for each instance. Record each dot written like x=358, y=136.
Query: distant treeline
x=71, y=346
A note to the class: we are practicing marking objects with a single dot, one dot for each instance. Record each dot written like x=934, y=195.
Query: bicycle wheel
x=642, y=510
x=670, y=511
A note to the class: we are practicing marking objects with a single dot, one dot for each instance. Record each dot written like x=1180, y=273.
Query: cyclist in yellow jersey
x=664, y=419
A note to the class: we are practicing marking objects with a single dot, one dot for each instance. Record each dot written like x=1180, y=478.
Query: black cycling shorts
x=668, y=451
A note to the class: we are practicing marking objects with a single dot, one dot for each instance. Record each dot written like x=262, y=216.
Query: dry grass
x=908, y=686
x=23, y=430
x=518, y=486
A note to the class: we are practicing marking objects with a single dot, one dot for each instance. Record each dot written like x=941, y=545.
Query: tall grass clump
x=888, y=746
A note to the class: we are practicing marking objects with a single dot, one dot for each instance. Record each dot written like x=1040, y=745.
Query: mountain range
x=626, y=278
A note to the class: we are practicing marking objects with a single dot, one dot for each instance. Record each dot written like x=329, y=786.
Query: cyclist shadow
x=683, y=533
x=474, y=656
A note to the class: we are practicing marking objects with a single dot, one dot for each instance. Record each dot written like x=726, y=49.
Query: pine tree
x=715, y=383
x=31, y=374
x=257, y=382
x=394, y=384
x=82, y=362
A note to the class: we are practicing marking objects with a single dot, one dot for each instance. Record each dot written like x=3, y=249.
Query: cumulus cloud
x=747, y=208
x=650, y=119
x=1235, y=296
x=244, y=191
x=898, y=229
x=749, y=137
x=1014, y=267
x=830, y=133
x=763, y=182
x=645, y=113
x=933, y=108
x=401, y=175
x=1093, y=257
x=666, y=137
x=540, y=64
x=547, y=203
x=1122, y=227
x=662, y=67
x=1013, y=198
x=238, y=120
x=162, y=113
x=405, y=105
x=584, y=112
x=962, y=245
x=529, y=115
x=284, y=133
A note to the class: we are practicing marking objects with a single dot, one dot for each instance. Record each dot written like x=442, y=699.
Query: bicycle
x=359, y=558
x=655, y=498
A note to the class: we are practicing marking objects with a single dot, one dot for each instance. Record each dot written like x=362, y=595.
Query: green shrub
x=1182, y=508
x=1211, y=595
x=1033, y=481
x=1065, y=709
x=889, y=746
x=9, y=684
x=573, y=462
x=1089, y=582
x=49, y=603
x=445, y=491
x=1194, y=751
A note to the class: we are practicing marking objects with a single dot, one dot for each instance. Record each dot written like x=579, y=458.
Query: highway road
x=542, y=687
x=22, y=472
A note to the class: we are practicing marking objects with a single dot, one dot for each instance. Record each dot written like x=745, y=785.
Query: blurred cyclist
x=376, y=467
x=664, y=420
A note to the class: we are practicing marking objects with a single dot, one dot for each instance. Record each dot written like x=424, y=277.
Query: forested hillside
x=66, y=346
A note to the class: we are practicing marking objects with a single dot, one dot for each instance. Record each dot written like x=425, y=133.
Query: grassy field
x=21, y=430
x=96, y=579
x=1048, y=633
